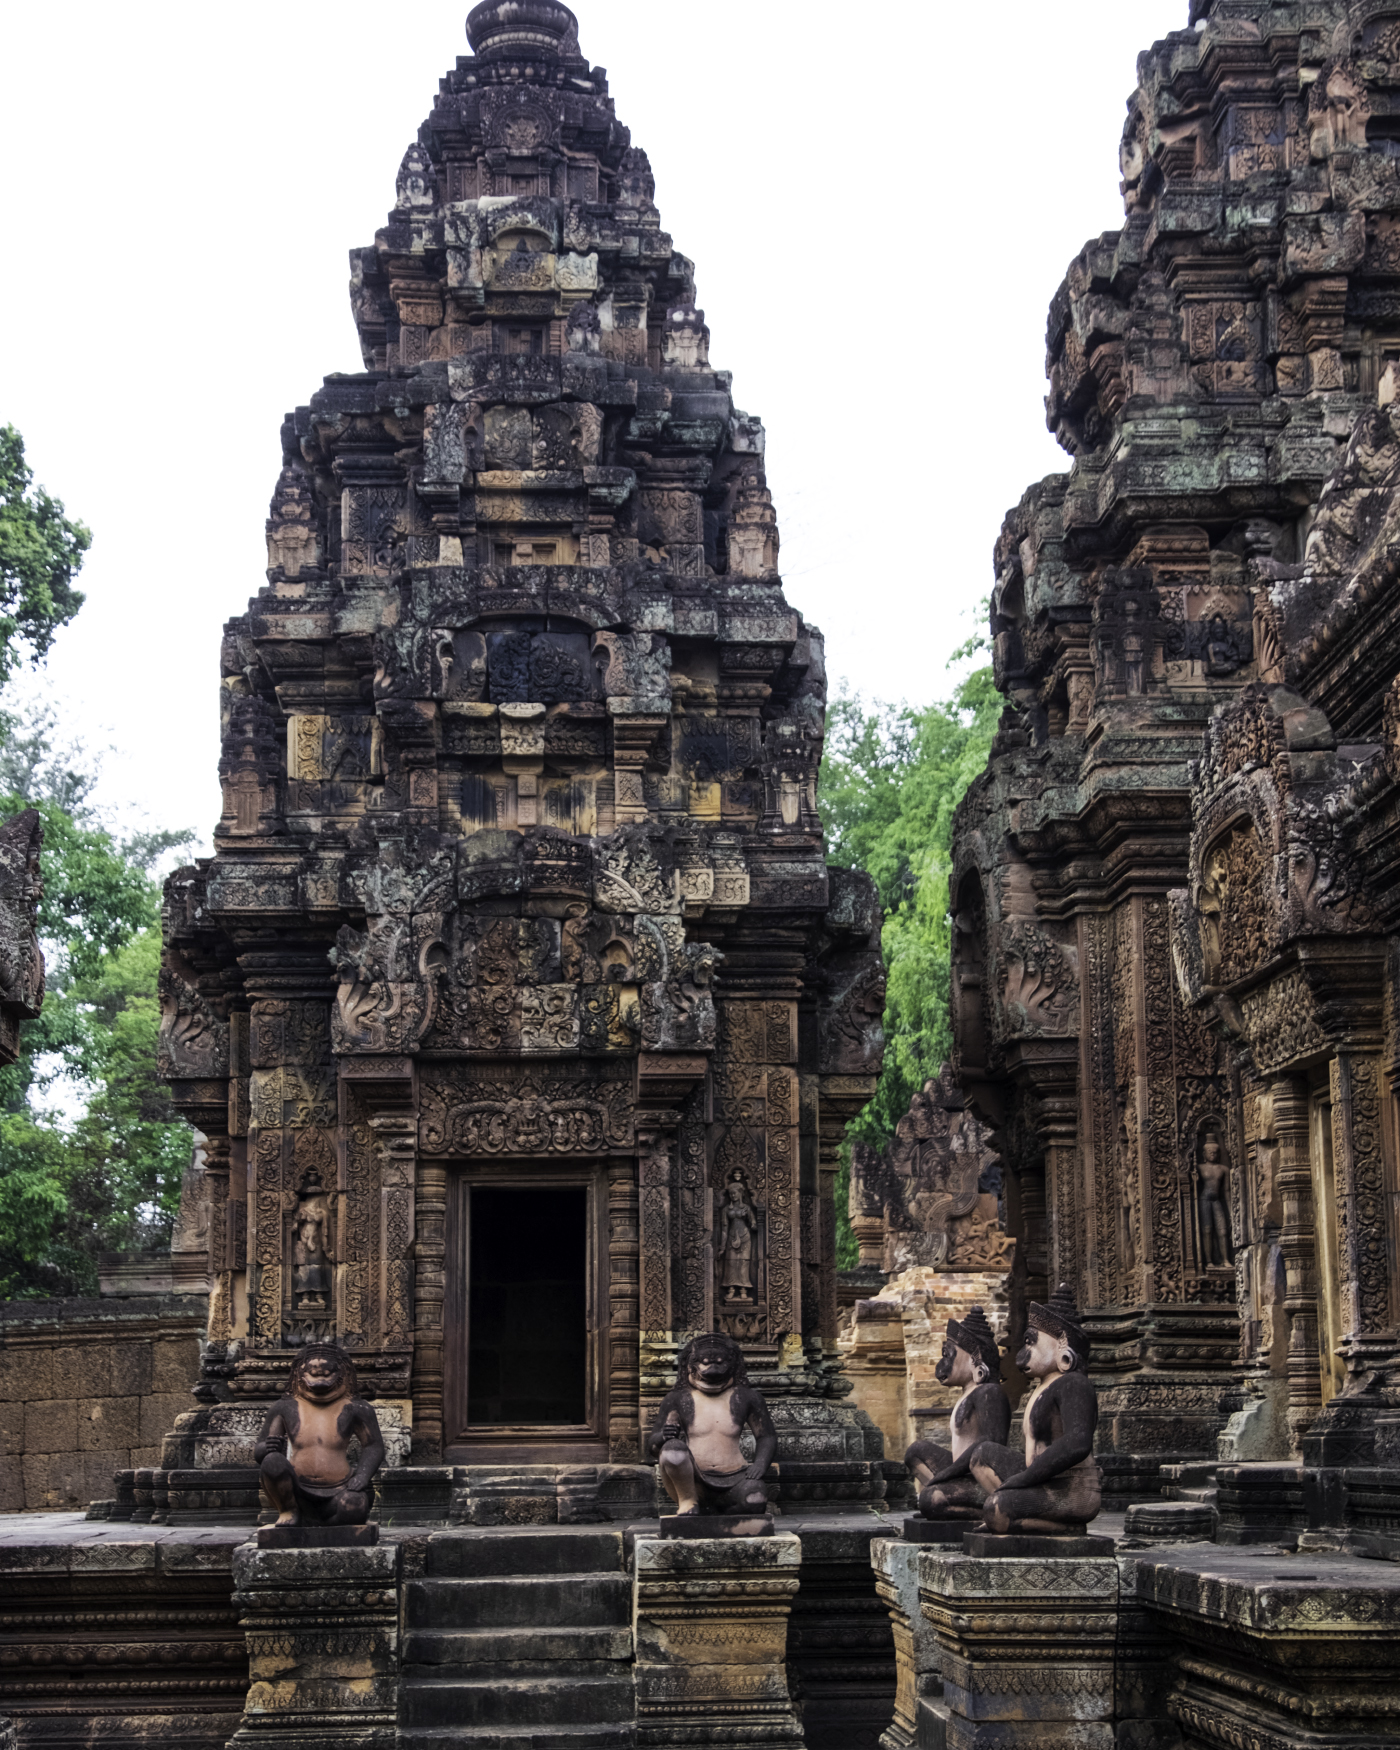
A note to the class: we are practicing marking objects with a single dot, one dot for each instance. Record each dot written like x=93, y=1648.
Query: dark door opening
x=527, y=1359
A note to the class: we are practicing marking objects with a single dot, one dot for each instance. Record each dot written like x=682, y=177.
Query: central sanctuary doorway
x=523, y=1363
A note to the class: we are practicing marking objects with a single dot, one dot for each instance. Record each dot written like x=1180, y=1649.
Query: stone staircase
x=519, y=1639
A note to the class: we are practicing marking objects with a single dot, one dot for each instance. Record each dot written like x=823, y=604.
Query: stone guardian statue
x=971, y=1359
x=698, y=1430
x=1053, y=1484
x=302, y=1452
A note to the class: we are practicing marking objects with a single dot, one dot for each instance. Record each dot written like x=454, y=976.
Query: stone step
x=435, y=1647
x=517, y=1702
x=527, y=1601
x=622, y=1736
x=481, y=1554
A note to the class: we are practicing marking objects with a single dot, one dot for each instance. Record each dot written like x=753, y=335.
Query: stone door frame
x=588, y=1442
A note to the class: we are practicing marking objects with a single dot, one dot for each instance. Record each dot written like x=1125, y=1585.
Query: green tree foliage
x=41, y=552
x=91, y=1154
x=891, y=779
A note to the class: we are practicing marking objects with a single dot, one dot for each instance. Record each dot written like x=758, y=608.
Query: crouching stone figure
x=302, y=1451
x=1054, y=1484
x=698, y=1428
x=947, y=1488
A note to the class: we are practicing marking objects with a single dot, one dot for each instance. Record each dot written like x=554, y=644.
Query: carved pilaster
x=430, y=1291
x=840, y=1099
x=1362, y=1262
x=624, y=1309
x=221, y=1297
x=1290, y=1112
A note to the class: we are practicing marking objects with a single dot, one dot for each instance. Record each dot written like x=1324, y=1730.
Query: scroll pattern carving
x=1162, y=1142
x=692, y=1248
x=1361, y=1213
x=1099, y=1057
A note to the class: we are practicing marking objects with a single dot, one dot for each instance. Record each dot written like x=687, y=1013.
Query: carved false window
x=520, y=339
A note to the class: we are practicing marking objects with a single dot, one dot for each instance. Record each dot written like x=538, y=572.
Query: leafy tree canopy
x=91, y=1153
x=891, y=779
x=41, y=552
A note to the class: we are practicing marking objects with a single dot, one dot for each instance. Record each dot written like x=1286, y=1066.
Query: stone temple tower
x=518, y=1004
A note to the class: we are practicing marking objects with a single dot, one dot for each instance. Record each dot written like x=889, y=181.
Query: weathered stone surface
x=710, y=1620
x=87, y=1388
x=1173, y=885
x=1026, y=1647
x=919, y=1680
x=1288, y=1650
x=322, y=1633
x=120, y=1641
x=520, y=881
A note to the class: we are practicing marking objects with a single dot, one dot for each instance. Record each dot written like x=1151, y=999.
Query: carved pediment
x=1271, y=856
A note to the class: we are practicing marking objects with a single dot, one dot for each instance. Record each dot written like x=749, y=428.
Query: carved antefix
x=517, y=1002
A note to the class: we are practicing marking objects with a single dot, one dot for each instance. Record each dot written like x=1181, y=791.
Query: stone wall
x=88, y=1388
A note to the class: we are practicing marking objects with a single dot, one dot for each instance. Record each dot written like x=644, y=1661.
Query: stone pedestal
x=710, y=1619
x=322, y=1631
x=1026, y=1647
x=918, y=1682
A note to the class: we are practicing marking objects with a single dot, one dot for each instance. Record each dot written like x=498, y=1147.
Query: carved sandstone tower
x=518, y=1003
x=1179, y=1158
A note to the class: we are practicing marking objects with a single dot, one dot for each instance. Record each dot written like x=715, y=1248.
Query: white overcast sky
x=880, y=201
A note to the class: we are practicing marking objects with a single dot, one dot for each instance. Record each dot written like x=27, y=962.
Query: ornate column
x=1363, y=1264
x=710, y=1620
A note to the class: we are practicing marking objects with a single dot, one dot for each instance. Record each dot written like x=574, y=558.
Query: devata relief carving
x=519, y=889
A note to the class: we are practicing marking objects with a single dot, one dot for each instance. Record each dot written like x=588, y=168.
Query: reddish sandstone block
x=53, y=1481
x=108, y=1423
x=25, y=1374
x=51, y=1426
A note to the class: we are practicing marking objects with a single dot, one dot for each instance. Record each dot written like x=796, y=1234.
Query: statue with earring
x=1052, y=1484
x=948, y=1490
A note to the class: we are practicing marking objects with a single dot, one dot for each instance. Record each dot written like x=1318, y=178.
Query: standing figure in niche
x=1214, y=1171
x=1052, y=1484
x=737, y=1241
x=302, y=1455
x=947, y=1489
x=698, y=1429
x=310, y=1260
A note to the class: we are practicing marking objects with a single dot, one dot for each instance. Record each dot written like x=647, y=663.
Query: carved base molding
x=1026, y=1648
x=322, y=1631
x=710, y=1621
x=918, y=1679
